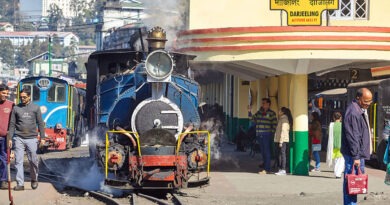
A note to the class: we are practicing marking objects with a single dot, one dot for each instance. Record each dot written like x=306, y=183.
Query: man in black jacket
x=355, y=140
x=25, y=119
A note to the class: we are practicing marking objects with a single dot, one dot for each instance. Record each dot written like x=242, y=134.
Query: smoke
x=85, y=173
x=215, y=127
x=168, y=14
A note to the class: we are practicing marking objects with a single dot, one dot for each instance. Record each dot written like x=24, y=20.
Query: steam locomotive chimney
x=156, y=39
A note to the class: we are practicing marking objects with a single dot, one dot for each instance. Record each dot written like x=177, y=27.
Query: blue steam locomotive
x=144, y=117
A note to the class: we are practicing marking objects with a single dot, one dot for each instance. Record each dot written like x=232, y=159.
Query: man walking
x=355, y=140
x=5, y=112
x=265, y=120
x=25, y=119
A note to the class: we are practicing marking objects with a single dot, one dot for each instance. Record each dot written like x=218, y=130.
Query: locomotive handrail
x=208, y=145
x=107, y=143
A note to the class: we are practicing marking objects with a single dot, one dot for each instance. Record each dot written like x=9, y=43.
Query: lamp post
x=49, y=55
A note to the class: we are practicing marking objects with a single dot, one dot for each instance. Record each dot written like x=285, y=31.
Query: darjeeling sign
x=304, y=12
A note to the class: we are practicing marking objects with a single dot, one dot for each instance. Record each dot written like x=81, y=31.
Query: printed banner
x=304, y=12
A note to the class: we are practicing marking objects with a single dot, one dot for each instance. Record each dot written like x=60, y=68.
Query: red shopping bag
x=357, y=184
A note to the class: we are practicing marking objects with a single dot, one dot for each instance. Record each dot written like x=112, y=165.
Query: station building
x=282, y=49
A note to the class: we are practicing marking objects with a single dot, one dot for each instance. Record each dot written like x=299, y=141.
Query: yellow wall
x=231, y=13
x=247, y=13
x=283, y=91
x=244, y=100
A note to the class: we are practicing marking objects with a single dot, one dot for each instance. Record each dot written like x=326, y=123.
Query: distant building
x=86, y=50
x=126, y=36
x=35, y=10
x=5, y=26
x=115, y=14
x=39, y=65
x=20, y=73
x=24, y=37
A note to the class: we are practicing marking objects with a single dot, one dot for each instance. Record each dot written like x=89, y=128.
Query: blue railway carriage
x=61, y=104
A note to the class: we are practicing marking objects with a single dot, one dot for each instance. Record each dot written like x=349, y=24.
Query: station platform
x=235, y=180
x=235, y=175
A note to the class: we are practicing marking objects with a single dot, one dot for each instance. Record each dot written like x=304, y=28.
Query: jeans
x=3, y=159
x=31, y=146
x=265, y=140
x=281, y=158
x=316, y=155
x=350, y=199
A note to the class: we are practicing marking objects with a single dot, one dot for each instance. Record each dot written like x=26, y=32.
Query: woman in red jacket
x=315, y=134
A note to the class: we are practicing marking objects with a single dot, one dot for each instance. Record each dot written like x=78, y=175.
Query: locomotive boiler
x=144, y=113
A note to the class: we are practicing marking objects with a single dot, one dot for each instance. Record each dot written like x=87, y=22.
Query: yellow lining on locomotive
x=139, y=147
x=108, y=142
x=208, y=145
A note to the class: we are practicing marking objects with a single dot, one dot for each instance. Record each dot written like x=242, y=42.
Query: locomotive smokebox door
x=159, y=114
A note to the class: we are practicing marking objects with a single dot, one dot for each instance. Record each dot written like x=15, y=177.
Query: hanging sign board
x=304, y=12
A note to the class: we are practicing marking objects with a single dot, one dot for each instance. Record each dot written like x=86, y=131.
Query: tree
x=56, y=17
x=35, y=47
x=7, y=52
x=7, y=9
x=56, y=47
x=82, y=23
x=23, y=54
x=71, y=50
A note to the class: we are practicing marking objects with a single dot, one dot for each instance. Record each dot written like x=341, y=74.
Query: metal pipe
x=128, y=135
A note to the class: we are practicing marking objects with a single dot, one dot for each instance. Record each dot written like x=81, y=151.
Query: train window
x=34, y=91
x=56, y=93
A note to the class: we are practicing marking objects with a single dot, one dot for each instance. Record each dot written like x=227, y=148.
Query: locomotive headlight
x=159, y=66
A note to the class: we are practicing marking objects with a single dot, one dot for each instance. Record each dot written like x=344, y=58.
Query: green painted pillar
x=298, y=90
x=230, y=128
x=235, y=129
x=291, y=151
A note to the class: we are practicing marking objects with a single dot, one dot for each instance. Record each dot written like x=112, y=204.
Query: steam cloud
x=168, y=14
x=87, y=174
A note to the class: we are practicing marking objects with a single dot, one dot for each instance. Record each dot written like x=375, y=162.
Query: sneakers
x=19, y=188
x=263, y=172
x=34, y=184
x=281, y=172
x=4, y=185
x=315, y=170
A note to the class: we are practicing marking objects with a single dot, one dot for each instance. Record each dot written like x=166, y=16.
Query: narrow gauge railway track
x=105, y=197
x=58, y=179
x=172, y=199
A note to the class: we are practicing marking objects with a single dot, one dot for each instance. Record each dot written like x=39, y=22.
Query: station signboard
x=304, y=12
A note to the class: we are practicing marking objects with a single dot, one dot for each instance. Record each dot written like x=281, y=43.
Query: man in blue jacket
x=355, y=141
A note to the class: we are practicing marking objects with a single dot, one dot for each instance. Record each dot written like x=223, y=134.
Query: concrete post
x=298, y=89
x=283, y=91
x=273, y=93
